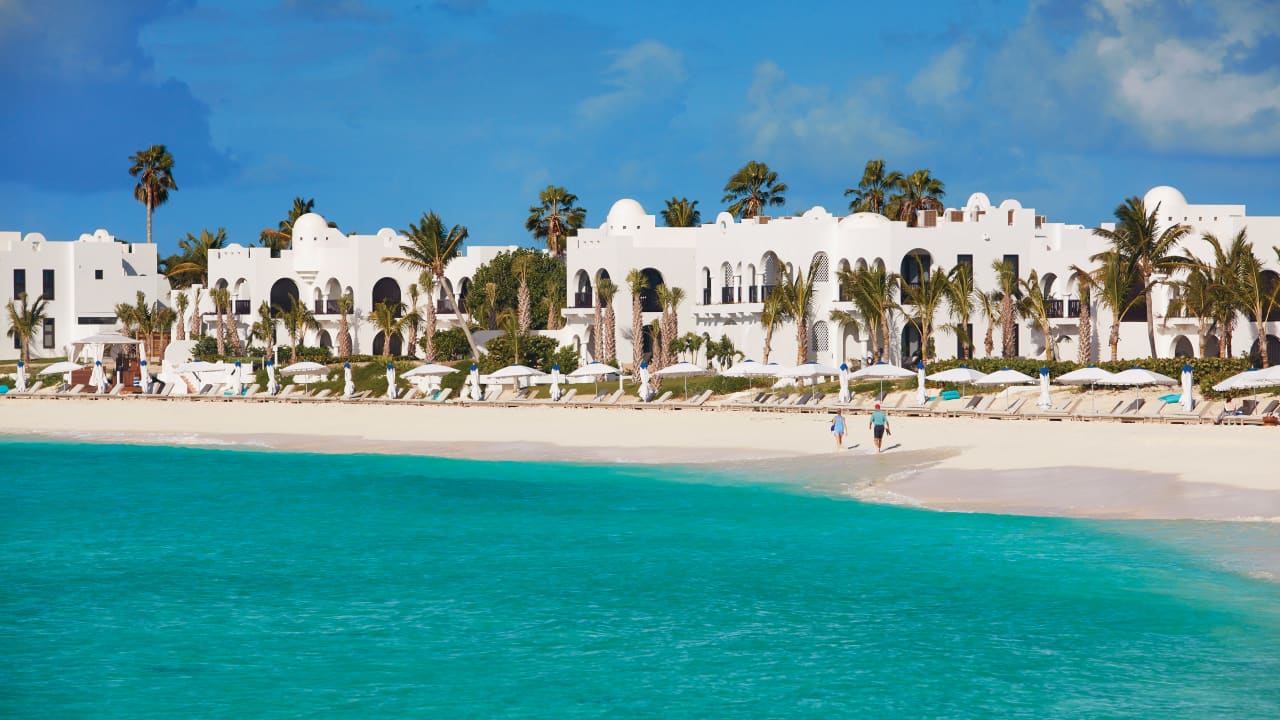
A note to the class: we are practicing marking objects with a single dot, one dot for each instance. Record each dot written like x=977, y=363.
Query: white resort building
x=81, y=281
x=323, y=264
x=727, y=269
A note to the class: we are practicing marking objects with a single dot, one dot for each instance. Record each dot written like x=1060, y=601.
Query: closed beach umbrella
x=1006, y=377
x=21, y=383
x=684, y=370
x=144, y=379
x=1091, y=376
x=845, y=395
x=920, y=395
x=1188, y=402
x=473, y=380
x=273, y=387
x=348, y=384
x=962, y=375
x=237, y=385
x=882, y=371
x=1046, y=402
x=645, y=393
x=391, y=381
x=99, y=378
x=556, y=377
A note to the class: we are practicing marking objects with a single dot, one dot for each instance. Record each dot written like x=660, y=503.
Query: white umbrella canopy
x=237, y=380
x=962, y=374
x=61, y=368
x=1005, y=376
x=808, y=371
x=515, y=372
x=556, y=378
x=882, y=371
x=645, y=392
x=845, y=395
x=429, y=370
x=1250, y=379
x=273, y=387
x=1091, y=376
x=921, y=397
x=99, y=378
x=305, y=368
x=144, y=378
x=1046, y=401
x=473, y=380
x=98, y=343
x=1138, y=376
x=684, y=370
x=594, y=369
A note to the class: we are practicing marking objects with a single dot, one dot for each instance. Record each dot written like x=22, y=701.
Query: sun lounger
x=976, y=404
x=115, y=390
x=31, y=389
x=74, y=390
x=1059, y=411
x=1106, y=411
x=1001, y=410
x=665, y=396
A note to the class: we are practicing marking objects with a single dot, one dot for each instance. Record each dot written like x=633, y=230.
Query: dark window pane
x=48, y=284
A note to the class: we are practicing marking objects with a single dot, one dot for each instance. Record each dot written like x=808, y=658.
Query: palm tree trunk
x=884, y=336
x=344, y=336
x=466, y=327
x=637, y=333
x=1084, y=348
x=610, y=335
x=1201, y=332
x=768, y=343
x=179, y=328
x=195, y=315
x=1007, y=326
x=598, y=329
x=802, y=341
x=1115, y=335
x=1048, y=340
x=222, y=336
x=1151, y=323
x=429, y=334
x=150, y=207
x=522, y=307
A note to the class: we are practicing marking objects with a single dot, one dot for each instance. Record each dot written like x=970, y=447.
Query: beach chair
x=31, y=389
x=494, y=395
x=116, y=389
x=664, y=397
x=975, y=404
x=1057, y=412
x=1000, y=410
x=567, y=397
x=73, y=390
x=442, y=395
x=1106, y=411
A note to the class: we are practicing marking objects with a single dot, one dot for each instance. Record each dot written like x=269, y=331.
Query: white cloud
x=644, y=74
x=811, y=122
x=945, y=79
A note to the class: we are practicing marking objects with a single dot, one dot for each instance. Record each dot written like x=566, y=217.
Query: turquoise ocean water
x=148, y=582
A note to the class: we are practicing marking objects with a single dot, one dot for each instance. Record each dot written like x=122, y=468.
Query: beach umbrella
x=684, y=370
x=1138, y=377
x=845, y=395
x=595, y=370
x=1045, y=402
x=430, y=370
x=1006, y=377
x=237, y=384
x=64, y=368
x=1188, y=402
x=391, y=381
x=306, y=372
x=21, y=382
x=99, y=378
x=1091, y=376
x=474, y=381
x=810, y=371
x=645, y=393
x=556, y=377
x=962, y=375
x=144, y=378
x=515, y=372
x=921, y=398
x=882, y=371
x=273, y=387
x=1250, y=379
x=348, y=383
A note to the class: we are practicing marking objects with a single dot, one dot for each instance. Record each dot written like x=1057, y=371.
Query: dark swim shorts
x=879, y=431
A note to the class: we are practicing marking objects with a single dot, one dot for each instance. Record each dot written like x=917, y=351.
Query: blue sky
x=382, y=110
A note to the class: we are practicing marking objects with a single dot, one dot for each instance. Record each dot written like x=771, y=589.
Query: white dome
x=816, y=212
x=1010, y=204
x=310, y=226
x=978, y=201
x=1165, y=196
x=626, y=212
x=865, y=219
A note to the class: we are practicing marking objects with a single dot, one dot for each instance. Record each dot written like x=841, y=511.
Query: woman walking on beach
x=879, y=426
x=837, y=429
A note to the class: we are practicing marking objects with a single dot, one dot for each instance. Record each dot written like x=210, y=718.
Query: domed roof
x=1165, y=196
x=1010, y=204
x=626, y=212
x=978, y=201
x=865, y=219
x=310, y=226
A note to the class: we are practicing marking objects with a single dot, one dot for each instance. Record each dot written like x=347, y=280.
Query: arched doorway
x=284, y=295
x=379, y=344
x=464, y=291
x=386, y=290
x=1273, y=352
x=910, y=345
x=915, y=266
x=325, y=340
x=1211, y=346
x=649, y=295
x=1182, y=347
x=582, y=292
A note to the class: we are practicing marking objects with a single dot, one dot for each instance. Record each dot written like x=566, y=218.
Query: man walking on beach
x=879, y=425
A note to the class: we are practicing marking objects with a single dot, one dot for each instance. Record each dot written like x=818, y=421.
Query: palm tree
x=597, y=327
x=181, y=302
x=918, y=191
x=193, y=266
x=346, y=305
x=432, y=247
x=1034, y=306
x=1139, y=241
x=669, y=298
x=872, y=292
x=1224, y=273
x=797, y=299
x=552, y=298
x=1113, y=280
x=491, y=303
x=925, y=296
x=221, y=297
x=144, y=320
x=1197, y=297
x=1258, y=297
x=989, y=305
x=638, y=282
x=264, y=329
x=681, y=212
x=196, y=327
x=298, y=319
x=872, y=193
x=25, y=320
x=1084, y=283
x=773, y=314
x=555, y=217
x=521, y=264
x=753, y=188
x=154, y=169
x=606, y=289
x=428, y=283
x=510, y=324
x=388, y=318
x=413, y=320
x=281, y=237
x=1008, y=291
x=961, y=294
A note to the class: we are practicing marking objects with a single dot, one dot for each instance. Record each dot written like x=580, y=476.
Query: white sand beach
x=1087, y=469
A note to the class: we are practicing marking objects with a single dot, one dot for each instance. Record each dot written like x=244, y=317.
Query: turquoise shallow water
x=157, y=582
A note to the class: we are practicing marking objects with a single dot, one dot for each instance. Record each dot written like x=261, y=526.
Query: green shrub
x=536, y=351
x=450, y=345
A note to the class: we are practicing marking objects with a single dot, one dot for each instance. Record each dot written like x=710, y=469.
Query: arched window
x=727, y=290
x=821, y=339
x=649, y=295
x=771, y=275
x=706, y=286
x=582, y=294
x=386, y=290
x=824, y=267
x=325, y=340
x=1182, y=347
x=915, y=266
x=284, y=295
x=464, y=291
x=910, y=345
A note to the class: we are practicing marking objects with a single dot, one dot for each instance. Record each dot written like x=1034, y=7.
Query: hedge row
x=1207, y=372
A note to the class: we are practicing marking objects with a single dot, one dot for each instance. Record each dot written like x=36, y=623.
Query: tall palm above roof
x=193, y=266
x=154, y=169
x=555, y=217
x=431, y=247
x=918, y=191
x=753, y=188
x=1152, y=251
x=281, y=237
x=874, y=189
x=681, y=212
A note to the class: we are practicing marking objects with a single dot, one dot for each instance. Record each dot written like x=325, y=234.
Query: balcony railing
x=1054, y=308
x=1073, y=308
x=326, y=307
x=706, y=296
x=727, y=296
x=753, y=294
x=242, y=307
x=582, y=299
x=766, y=291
